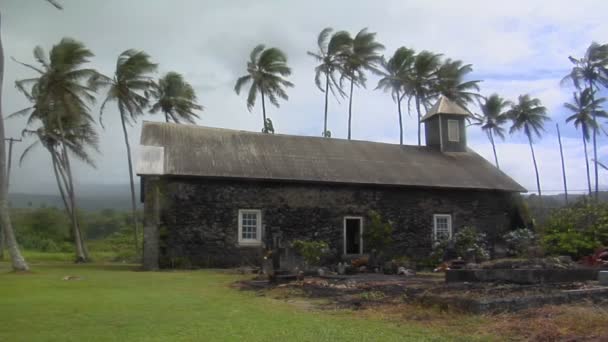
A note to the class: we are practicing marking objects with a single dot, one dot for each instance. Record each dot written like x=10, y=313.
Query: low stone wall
x=521, y=276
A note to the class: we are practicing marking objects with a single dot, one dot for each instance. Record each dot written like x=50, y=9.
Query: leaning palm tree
x=422, y=82
x=175, y=98
x=529, y=116
x=585, y=109
x=60, y=98
x=591, y=71
x=329, y=55
x=129, y=89
x=395, y=78
x=451, y=83
x=492, y=118
x=364, y=55
x=266, y=71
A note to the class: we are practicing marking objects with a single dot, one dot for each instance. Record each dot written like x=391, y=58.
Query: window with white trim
x=250, y=227
x=442, y=227
x=453, y=131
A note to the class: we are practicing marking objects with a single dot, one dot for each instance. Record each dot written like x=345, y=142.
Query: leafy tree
x=395, y=78
x=585, y=109
x=529, y=116
x=60, y=98
x=129, y=89
x=266, y=71
x=175, y=98
x=330, y=56
x=591, y=71
x=364, y=55
x=311, y=251
x=423, y=82
x=493, y=117
x=378, y=235
x=451, y=83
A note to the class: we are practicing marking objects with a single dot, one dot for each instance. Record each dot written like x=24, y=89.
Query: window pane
x=249, y=225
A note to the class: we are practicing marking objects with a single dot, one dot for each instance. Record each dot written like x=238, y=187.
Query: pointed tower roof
x=445, y=106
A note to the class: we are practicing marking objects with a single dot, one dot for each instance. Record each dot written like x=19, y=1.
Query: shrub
x=378, y=235
x=576, y=231
x=466, y=240
x=519, y=241
x=311, y=251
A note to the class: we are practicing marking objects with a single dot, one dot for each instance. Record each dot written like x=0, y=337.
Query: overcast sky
x=515, y=47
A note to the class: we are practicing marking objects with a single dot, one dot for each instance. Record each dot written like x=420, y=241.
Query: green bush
x=466, y=240
x=378, y=235
x=576, y=231
x=519, y=241
x=311, y=251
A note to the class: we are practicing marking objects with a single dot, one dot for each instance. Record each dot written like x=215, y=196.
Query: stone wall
x=199, y=218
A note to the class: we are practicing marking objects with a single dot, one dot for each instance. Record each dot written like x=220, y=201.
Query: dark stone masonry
x=198, y=218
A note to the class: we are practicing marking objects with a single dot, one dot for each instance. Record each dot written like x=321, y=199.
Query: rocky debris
x=70, y=277
x=406, y=272
x=560, y=262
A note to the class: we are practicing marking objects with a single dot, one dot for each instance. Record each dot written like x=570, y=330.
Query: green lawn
x=116, y=303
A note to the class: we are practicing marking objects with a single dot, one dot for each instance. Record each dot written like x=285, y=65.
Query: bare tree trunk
x=133, y=205
x=350, y=106
x=561, y=153
x=491, y=136
x=587, y=161
x=535, y=166
x=326, y=101
x=17, y=260
x=166, y=117
x=263, y=111
x=419, y=118
x=400, y=118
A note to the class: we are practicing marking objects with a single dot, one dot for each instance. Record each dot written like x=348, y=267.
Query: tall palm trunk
x=491, y=136
x=561, y=153
x=586, y=160
x=595, y=126
x=263, y=111
x=400, y=119
x=535, y=166
x=133, y=205
x=419, y=118
x=166, y=117
x=350, y=106
x=17, y=261
x=326, y=101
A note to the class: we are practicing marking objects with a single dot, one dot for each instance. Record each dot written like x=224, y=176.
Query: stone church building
x=212, y=197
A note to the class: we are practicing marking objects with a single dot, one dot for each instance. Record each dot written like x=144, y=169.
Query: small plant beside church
x=311, y=251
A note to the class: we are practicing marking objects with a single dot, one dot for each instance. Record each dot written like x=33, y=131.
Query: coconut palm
x=529, y=116
x=330, y=55
x=129, y=89
x=175, y=98
x=395, y=78
x=451, y=83
x=493, y=117
x=266, y=71
x=60, y=98
x=423, y=82
x=591, y=71
x=364, y=55
x=585, y=108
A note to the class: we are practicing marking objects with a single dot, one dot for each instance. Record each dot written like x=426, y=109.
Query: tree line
x=60, y=117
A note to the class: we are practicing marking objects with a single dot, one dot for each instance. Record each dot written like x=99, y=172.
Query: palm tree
x=330, y=55
x=492, y=118
x=529, y=116
x=364, y=55
x=266, y=71
x=423, y=82
x=451, y=82
x=60, y=98
x=175, y=98
x=129, y=88
x=591, y=71
x=396, y=76
x=585, y=109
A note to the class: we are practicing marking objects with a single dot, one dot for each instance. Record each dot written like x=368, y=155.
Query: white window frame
x=451, y=137
x=360, y=218
x=450, y=227
x=250, y=242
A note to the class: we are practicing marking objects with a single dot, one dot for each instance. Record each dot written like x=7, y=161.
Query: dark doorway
x=352, y=235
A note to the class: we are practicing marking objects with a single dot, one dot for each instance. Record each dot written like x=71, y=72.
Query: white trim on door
x=360, y=218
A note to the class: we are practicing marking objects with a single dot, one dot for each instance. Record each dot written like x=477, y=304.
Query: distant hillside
x=90, y=197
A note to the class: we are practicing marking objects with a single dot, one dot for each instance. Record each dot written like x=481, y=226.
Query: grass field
x=116, y=303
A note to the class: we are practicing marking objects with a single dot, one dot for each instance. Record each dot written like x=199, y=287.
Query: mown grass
x=117, y=303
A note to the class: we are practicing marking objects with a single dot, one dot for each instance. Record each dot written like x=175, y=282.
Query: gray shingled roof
x=188, y=150
x=445, y=106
